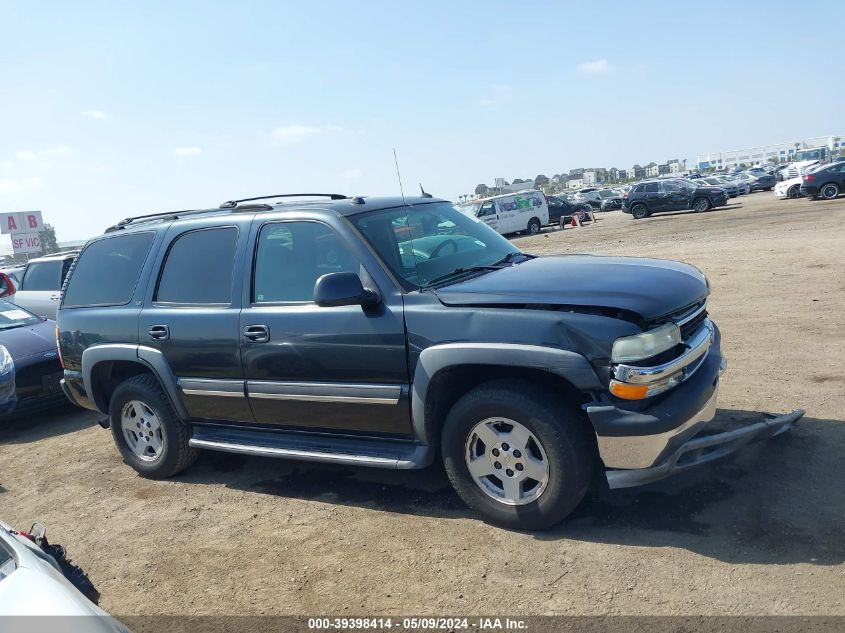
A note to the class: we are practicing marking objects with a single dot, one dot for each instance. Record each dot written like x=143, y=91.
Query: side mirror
x=343, y=289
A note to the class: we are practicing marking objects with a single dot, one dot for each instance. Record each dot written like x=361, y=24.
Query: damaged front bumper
x=704, y=448
x=641, y=446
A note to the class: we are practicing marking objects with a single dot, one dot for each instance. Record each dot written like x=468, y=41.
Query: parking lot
x=761, y=533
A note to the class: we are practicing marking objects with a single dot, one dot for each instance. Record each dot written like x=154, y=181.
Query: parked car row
x=30, y=367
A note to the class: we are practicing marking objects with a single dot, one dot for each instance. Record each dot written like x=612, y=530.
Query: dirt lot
x=763, y=533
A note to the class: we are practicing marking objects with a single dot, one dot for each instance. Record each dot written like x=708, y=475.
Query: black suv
x=391, y=332
x=562, y=208
x=656, y=196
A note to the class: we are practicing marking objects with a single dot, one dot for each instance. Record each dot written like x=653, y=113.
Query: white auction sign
x=21, y=222
x=26, y=243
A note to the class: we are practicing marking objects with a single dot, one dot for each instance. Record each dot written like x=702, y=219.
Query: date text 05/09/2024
x=418, y=624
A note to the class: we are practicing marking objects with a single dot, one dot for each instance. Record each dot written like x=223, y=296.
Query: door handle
x=257, y=333
x=159, y=332
x=54, y=297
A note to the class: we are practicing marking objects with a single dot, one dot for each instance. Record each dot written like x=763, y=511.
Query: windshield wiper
x=507, y=259
x=458, y=272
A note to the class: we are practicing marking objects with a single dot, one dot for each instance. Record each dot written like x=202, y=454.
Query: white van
x=511, y=212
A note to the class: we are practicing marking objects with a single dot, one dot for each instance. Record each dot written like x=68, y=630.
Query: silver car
x=41, y=285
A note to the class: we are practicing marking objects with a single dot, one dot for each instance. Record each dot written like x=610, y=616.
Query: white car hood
x=37, y=588
x=786, y=184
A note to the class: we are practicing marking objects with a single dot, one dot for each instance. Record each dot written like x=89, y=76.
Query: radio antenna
x=399, y=176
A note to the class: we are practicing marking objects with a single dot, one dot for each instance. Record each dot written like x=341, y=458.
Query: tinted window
x=650, y=187
x=638, y=189
x=43, y=276
x=108, y=270
x=291, y=256
x=199, y=267
x=671, y=187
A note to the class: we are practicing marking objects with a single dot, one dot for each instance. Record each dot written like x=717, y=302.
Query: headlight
x=647, y=344
x=7, y=363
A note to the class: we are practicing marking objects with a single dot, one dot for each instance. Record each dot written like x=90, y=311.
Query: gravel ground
x=761, y=533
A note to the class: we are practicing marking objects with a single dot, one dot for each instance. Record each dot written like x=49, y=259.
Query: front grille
x=691, y=327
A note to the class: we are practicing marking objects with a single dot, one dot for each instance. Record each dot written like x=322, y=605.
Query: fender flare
x=152, y=358
x=569, y=365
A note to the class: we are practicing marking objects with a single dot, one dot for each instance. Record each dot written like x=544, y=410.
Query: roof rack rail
x=153, y=216
x=72, y=251
x=231, y=204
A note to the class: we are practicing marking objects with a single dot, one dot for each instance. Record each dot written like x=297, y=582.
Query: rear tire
x=829, y=191
x=151, y=438
x=533, y=226
x=701, y=204
x=558, y=450
x=639, y=211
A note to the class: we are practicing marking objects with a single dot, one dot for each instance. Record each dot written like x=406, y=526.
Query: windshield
x=11, y=316
x=422, y=243
x=470, y=208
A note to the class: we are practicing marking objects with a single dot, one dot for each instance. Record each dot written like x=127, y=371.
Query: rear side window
x=199, y=268
x=650, y=187
x=43, y=276
x=108, y=270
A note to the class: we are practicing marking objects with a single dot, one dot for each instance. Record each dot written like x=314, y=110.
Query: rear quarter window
x=40, y=276
x=107, y=271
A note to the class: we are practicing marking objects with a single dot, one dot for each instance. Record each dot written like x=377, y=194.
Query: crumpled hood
x=31, y=339
x=650, y=288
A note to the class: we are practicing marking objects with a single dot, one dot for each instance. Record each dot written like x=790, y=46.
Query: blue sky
x=109, y=109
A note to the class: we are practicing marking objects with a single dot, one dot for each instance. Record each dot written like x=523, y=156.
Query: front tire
x=517, y=454
x=639, y=211
x=793, y=192
x=151, y=438
x=533, y=226
x=701, y=204
x=830, y=191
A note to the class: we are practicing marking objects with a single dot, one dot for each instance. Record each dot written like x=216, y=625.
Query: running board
x=314, y=448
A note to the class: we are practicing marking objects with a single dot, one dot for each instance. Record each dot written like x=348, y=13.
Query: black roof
x=342, y=205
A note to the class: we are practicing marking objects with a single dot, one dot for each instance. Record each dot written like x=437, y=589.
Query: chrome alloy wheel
x=507, y=461
x=142, y=430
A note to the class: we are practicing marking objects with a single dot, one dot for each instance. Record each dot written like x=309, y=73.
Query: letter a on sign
x=11, y=224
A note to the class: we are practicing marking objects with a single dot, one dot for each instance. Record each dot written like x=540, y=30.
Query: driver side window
x=488, y=208
x=291, y=256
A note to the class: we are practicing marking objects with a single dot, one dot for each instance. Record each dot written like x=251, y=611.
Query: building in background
x=762, y=154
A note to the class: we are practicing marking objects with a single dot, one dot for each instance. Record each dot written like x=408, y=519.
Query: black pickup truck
x=391, y=332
